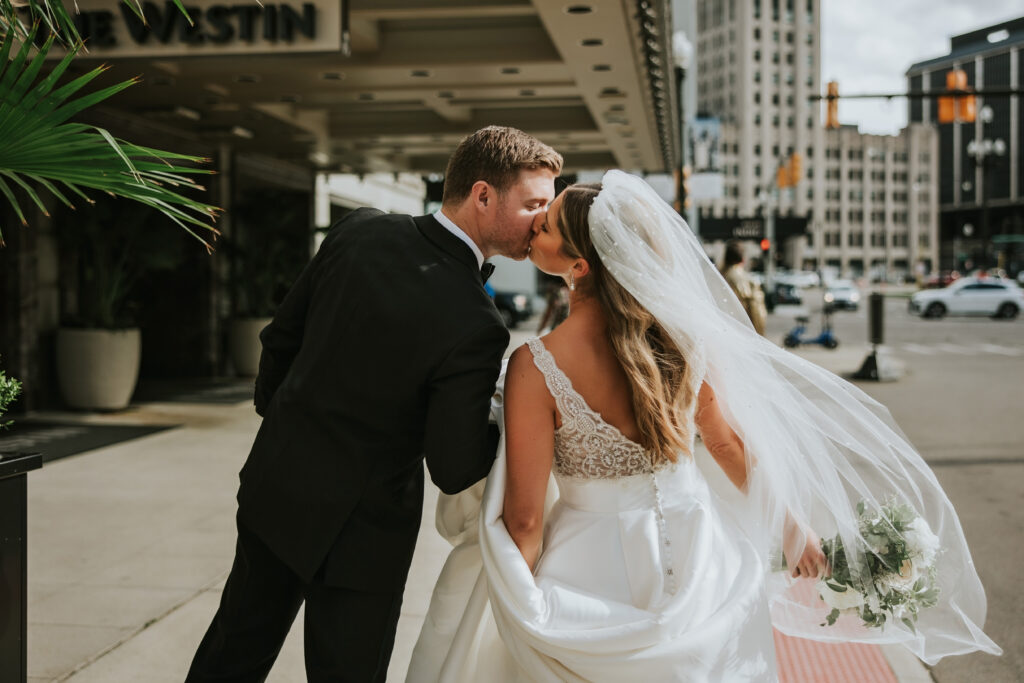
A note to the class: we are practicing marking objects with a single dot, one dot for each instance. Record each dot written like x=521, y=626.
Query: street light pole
x=985, y=152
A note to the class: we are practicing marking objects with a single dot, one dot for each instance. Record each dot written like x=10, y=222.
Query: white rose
x=847, y=600
x=921, y=542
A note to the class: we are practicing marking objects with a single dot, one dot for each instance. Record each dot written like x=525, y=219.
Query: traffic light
x=957, y=108
x=683, y=201
x=766, y=244
x=686, y=201
x=796, y=168
x=832, y=105
x=782, y=176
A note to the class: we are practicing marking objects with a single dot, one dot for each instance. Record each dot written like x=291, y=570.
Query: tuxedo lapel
x=443, y=239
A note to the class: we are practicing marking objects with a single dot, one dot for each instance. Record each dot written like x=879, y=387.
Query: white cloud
x=867, y=46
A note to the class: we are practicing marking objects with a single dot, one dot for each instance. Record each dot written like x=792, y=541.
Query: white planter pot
x=98, y=369
x=244, y=345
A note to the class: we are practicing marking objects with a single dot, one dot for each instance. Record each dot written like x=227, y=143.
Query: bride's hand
x=811, y=561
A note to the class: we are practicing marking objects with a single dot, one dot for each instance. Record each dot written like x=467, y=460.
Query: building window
x=757, y=150
x=757, y=98
x=775, y=98
x=757, y=119
x=775, y=58
x=789, y=58
x=757, y=34
x=775, y=120
x=789, y=37
x=757, y=9
x=757, y=55
x=757, y=77
x=757, y=170
x=789, y=122
x=855, y=239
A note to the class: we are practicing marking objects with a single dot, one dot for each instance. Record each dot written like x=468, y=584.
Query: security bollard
x=876, y=318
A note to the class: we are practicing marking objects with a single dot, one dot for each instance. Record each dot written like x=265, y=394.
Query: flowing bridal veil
x=818, y=450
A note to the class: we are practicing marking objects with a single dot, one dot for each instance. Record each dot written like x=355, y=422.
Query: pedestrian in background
x=746, y=290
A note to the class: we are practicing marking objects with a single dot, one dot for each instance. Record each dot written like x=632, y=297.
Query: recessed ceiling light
x=247, y=78
x=592, y=42
x=332, y=76
x=601, y=67
x=446, y=94
x=509, y=70
x=611, y=92
x=526, y=92
x=240, y=132
x=419, y=73
x=579, y=9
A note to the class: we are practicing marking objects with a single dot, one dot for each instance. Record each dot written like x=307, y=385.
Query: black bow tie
x=485, y=271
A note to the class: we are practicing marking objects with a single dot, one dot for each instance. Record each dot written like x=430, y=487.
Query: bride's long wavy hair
x=656, y=369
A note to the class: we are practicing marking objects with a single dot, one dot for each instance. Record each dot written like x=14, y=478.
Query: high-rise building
x=862, y=204
x=981, y=181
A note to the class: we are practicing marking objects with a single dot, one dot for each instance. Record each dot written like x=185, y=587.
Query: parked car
x=843, y=294
x=994, y=297
x=781, y=294
x=941, y=279
x=798, y=278
x=515, y=307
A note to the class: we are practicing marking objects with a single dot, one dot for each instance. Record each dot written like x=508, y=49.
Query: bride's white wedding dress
x=643, y=575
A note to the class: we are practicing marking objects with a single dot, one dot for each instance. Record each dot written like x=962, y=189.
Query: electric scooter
x=795, y=337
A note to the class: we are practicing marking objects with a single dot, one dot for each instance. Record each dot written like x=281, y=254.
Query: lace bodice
x=586, y=447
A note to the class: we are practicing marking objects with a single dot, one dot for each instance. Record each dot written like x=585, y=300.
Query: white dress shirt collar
x=457, y=231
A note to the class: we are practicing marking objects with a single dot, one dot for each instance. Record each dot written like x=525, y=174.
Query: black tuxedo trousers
x=383, y=354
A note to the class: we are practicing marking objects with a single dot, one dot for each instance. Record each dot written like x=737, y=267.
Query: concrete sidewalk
x=129, y=546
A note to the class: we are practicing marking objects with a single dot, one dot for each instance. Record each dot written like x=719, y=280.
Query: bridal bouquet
x=894, y=579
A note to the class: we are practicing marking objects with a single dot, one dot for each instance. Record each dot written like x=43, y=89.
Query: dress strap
x=568, y=402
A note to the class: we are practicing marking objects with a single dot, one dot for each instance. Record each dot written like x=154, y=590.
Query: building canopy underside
x=596, y=84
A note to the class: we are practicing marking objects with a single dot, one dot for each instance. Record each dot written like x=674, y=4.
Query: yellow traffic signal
x=782, y=176
x=957, y=108
x=832, y=105
x=796, y=168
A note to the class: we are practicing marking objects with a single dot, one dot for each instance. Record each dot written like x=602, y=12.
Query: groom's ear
x=482, y=195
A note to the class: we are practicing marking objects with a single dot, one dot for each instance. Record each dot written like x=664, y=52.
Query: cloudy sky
x=868, y=45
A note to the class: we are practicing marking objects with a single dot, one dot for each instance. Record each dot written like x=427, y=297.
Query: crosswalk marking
x=1002, y=350
x=917, y=348
x=972, y=350
x=953, y=348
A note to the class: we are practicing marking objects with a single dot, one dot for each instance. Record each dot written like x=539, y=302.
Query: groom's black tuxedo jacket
x=385, y=350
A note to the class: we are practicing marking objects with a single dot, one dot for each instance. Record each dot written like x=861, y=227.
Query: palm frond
x=41, y=148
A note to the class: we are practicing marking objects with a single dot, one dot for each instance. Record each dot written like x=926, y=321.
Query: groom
x=384, y=352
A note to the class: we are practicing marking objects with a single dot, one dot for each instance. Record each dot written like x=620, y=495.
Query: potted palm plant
x=105, y=251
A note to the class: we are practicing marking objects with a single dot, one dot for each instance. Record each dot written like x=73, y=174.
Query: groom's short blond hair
x=496, y=155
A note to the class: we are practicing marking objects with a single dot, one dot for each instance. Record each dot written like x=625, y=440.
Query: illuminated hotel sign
x=112, y=29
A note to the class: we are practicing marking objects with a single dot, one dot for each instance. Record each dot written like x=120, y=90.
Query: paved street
x=960, y=402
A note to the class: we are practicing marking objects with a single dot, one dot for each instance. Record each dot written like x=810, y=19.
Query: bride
x=630, y=564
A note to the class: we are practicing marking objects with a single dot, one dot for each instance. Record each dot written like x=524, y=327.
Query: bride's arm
x=722, y=442
x=801, y=545
x=530, y=447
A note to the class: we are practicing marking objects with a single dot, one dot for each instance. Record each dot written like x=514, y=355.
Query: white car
x=994, y=297
x=843, y=294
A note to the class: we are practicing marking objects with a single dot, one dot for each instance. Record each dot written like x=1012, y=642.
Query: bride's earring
x=572, y=282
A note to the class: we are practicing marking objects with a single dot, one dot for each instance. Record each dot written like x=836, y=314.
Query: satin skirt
x=640, y=578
